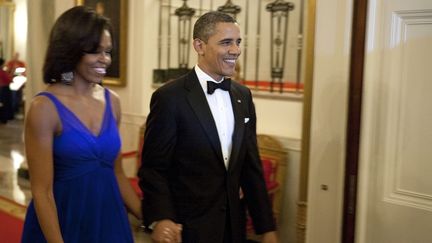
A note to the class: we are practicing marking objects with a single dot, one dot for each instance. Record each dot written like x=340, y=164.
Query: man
x=200, y=148
x=14, y=63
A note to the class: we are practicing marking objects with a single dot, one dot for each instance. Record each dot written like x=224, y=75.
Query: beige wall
x=41, y=16
x=20, y=29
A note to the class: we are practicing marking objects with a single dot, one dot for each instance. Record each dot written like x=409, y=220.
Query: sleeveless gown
x=87, y=196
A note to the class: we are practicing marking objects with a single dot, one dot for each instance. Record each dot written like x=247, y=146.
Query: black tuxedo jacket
x=182, y=173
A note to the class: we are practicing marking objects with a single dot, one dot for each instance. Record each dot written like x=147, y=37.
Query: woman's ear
x=199, y=46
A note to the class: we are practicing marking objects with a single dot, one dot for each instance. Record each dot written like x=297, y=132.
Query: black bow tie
x=224, y=85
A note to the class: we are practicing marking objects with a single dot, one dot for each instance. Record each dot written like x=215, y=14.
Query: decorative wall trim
x=402, y=19
x=410, y=199
x=398, y=187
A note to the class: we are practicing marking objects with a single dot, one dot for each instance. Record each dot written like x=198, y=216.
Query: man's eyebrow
x=226, y=39
x=229, y=40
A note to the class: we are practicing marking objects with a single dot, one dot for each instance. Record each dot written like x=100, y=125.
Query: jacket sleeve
x=252, y=181
x=159, y=143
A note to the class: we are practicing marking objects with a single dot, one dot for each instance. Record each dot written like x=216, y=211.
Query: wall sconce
x=185, y=14
x=279, y=10
x=230, y=8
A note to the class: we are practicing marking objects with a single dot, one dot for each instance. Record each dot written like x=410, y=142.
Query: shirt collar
x=204, y=77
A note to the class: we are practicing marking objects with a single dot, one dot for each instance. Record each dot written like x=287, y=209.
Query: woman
x=72, y=141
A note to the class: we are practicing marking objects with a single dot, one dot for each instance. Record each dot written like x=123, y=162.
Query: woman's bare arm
x=40, y=127
x=130, y=198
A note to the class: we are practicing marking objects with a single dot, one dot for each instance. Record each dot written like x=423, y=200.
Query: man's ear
x=198, y=46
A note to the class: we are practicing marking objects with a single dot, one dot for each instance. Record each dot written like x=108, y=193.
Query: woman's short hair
x=206, y=24
x=76, y=32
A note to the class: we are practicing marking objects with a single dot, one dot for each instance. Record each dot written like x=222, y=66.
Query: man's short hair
x=206, y=24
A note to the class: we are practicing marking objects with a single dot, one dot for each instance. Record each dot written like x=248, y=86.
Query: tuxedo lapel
x=199, y=104
x=236, y=101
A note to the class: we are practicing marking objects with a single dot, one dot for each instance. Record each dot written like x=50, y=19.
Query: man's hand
x=269, y=237
x=166, y=231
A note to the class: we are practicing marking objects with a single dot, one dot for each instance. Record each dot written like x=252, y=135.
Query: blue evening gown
x=89, y=205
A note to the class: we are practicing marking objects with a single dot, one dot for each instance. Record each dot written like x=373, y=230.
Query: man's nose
x=235, y=49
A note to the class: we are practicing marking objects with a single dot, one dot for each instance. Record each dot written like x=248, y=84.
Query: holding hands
x=166, y=231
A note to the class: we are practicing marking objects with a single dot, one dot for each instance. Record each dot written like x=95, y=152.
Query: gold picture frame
x=116, y=11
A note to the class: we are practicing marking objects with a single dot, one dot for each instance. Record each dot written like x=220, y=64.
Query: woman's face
x=92, y=66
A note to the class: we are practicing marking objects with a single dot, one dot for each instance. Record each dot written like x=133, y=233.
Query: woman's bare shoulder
x=42, y=109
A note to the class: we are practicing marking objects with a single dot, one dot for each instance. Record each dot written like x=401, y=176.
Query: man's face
x=218, y=56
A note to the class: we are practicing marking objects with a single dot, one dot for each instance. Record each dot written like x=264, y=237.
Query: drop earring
x=67, y=78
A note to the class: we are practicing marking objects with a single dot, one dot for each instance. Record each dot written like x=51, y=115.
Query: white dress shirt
x=221, y=109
